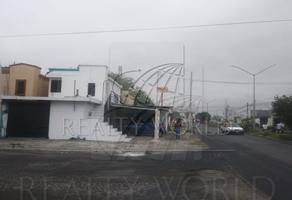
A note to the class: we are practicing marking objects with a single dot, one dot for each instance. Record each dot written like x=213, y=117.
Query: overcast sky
x=252, y=46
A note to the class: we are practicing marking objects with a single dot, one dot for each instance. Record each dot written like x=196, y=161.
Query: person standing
x=178, y=125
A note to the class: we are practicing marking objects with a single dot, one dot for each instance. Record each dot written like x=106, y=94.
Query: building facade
x=74, y=107
x=23, y=80
x=85, y=92
x=4, y=80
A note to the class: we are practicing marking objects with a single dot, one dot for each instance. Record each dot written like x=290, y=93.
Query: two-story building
x=86, y=90
x=21, y=79
x=74, y=107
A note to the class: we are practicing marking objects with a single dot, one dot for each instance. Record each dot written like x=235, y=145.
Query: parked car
x=233, y=129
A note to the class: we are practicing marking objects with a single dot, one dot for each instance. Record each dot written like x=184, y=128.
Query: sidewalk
x=167, y=143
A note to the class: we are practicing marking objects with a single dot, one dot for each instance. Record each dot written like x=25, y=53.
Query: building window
x=20, y=87
x=91, y=89
x=56, y=85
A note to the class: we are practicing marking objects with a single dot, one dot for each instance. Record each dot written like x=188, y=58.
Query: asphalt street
x=231, y=168
x=254, y=158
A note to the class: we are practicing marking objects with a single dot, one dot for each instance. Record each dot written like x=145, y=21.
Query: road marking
x=219, y=150
x=132, y=154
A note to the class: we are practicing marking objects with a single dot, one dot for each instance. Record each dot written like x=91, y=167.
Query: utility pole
x=203, y=87
x=190, y=105
x=226, y=110
x=184, y=71
x=254, y=89
x=247, y=110
x=254, y=103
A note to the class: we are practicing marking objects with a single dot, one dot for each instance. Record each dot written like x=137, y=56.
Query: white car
x=233, y=129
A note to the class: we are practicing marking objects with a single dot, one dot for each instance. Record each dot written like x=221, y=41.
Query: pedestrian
x=178, y=128
x=162, y=130
x=280, y=127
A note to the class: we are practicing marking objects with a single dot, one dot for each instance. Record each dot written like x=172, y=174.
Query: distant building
x=263, y=117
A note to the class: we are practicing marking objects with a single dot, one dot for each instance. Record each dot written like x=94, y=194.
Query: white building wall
x=77, y=80
x=80, y=121
x=60, y=113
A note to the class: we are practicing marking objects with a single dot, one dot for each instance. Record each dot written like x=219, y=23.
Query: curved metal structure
x=172, y=77
x=150, y=80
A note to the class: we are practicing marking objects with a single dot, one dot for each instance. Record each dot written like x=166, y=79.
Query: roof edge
x=25, y=64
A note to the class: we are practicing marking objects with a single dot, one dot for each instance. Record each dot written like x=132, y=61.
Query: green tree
x=217, y=118
x=282, y=108
x=246, y=124
x=203, y=116
x=127, y=84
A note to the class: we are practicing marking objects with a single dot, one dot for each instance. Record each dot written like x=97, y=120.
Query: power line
x=243, y=83
x=145, y=29
x=235, y=82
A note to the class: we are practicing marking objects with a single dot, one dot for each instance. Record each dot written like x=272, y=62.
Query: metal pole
x=254, y=102
x=207, y=107
x=184, y=71
x=203, y=87
x=190, y=108
x=157, y=101
x=254, y=76
x=156, y=124
x=247, y=110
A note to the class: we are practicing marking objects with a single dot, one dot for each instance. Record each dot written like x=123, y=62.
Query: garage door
x=28, y=119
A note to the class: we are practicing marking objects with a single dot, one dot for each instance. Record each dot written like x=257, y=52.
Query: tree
x=217, y=118
x=127, y=83
x=282, y=108
x=203, y=116
x=246, y=124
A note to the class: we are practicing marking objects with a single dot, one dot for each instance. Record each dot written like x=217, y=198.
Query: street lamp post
x=254, y=88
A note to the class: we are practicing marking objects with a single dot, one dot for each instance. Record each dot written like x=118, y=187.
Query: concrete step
x=107, y=133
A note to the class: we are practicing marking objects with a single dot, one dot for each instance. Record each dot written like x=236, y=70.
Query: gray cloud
x=214, y=48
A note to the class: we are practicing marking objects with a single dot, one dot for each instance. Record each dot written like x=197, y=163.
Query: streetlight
x=254, y=76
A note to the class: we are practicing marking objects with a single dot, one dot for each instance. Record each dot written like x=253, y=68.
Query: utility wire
x=237, y=82
x=144, y=29
x=243, y=83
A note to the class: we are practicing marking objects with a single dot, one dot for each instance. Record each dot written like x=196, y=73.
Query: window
x=91, y=89
x=56, y=85
x=20, y=87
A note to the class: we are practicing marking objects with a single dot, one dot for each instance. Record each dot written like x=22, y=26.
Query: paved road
x=218, y=173
x=253, y=157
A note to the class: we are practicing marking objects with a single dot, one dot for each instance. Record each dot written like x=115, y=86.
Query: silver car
x=233, y=129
